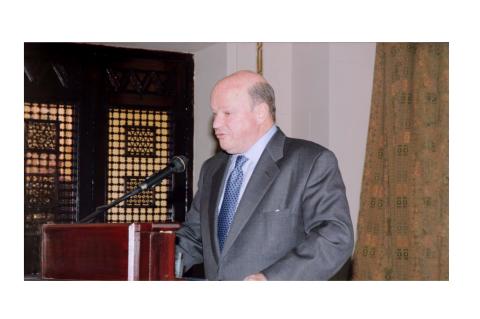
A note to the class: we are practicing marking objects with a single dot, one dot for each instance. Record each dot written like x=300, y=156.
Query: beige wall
x=310, y=86
x=350, y=89
x=210, y=66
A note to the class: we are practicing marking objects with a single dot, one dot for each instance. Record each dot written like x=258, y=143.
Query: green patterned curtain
x=403, y=219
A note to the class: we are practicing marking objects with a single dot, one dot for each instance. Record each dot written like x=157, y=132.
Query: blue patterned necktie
x=230, y=199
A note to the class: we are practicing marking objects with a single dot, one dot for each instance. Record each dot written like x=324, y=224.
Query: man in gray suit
x=268, y=207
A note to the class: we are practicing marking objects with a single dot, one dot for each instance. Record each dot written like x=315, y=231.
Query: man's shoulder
x=308, y=153
x=297, y=145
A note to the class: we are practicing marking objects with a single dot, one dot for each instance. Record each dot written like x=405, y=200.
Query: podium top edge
x=169, y=226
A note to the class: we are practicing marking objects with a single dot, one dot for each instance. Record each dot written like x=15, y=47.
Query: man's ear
x=261, y=112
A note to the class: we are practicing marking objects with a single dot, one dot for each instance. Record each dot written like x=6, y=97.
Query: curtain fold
x=403, y=218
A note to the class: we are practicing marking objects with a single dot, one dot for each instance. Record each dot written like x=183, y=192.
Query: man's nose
x=217, y=122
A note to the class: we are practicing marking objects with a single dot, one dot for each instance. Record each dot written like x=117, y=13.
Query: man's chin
x=227, y=149
x=223, y=147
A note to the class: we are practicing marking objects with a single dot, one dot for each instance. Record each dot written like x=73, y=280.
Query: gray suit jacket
x=292, y=223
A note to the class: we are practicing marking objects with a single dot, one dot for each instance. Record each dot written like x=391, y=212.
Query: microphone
x=178, y=165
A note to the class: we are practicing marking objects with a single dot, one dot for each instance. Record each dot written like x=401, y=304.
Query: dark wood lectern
x=108, y=251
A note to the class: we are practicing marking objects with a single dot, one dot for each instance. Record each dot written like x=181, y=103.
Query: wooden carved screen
x=140, y=144
x=50, y=160
x=98, y=120
x=149, y=122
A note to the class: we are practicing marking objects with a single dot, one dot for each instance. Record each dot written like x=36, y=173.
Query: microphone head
x=179, y=163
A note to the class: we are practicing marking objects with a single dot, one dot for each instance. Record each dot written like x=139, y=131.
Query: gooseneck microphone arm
x=177, y=165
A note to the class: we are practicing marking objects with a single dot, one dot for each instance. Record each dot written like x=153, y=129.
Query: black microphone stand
x=102, y=209
x=178, y=164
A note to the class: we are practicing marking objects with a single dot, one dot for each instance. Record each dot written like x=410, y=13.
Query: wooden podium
x=108, y=251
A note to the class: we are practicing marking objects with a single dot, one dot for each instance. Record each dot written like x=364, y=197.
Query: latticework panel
x=50, y=168
x=140, y=144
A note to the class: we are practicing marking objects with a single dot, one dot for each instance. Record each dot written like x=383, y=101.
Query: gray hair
x=262, y=92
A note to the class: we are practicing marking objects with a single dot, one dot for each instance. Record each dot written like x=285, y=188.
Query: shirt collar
x=253, y=154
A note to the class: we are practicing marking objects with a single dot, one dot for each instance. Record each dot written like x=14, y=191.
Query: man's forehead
x=227, y=86
x=229, y=100
x=233, y=87
x=227, y=92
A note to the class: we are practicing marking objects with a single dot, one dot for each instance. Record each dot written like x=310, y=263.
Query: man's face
x=234, y=121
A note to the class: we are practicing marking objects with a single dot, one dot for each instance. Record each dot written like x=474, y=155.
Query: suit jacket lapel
x=217, y=182
x=259, y=183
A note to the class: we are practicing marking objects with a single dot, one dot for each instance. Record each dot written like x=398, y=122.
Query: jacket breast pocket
x=279, y=228
x=278, y=212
